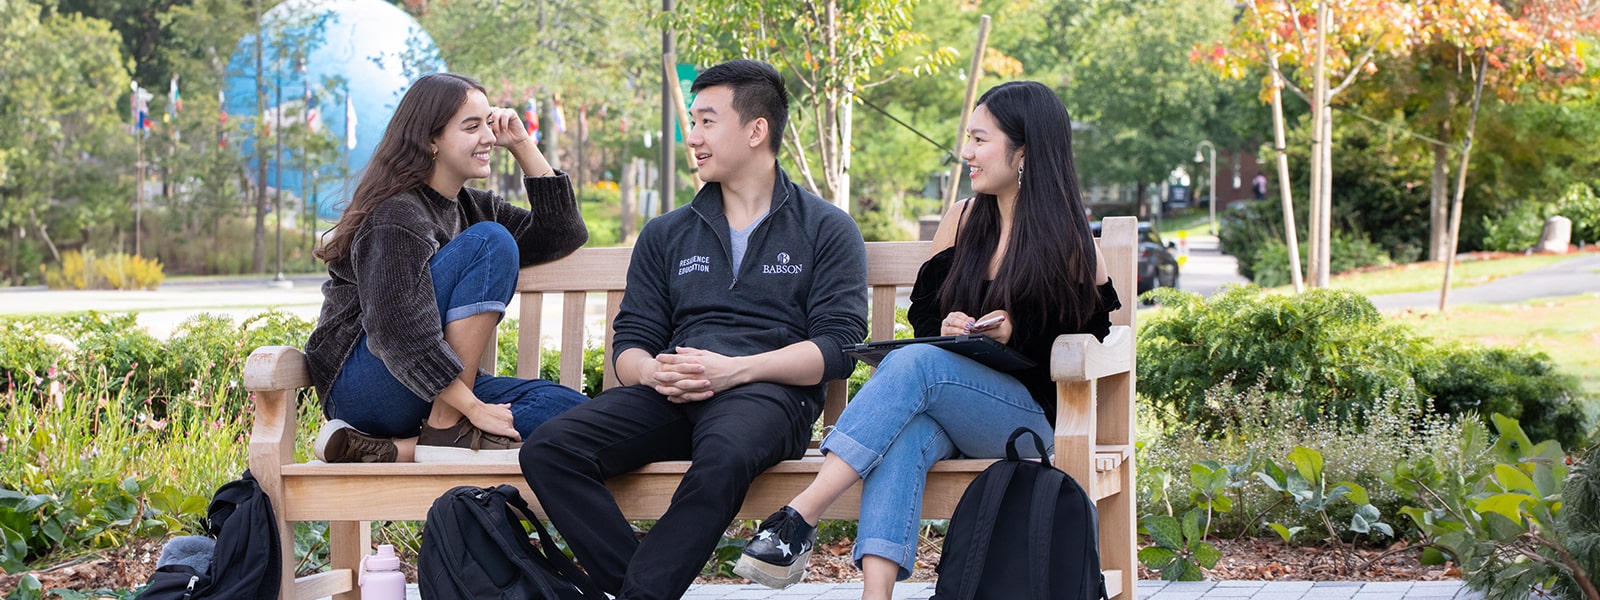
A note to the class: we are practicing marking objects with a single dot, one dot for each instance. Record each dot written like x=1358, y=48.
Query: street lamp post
x=1211, y=180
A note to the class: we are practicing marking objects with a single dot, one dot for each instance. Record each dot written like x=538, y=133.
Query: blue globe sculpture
x=368, y=51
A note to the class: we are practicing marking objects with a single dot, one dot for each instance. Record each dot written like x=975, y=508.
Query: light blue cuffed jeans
x=924, y=404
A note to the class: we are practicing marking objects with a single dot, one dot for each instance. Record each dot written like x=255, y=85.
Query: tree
x=1144, y=103
x=596, y=58
x=833, y=49
x=1510, y=44
x=206, y=175
x=65, y=143
x=1317, y=49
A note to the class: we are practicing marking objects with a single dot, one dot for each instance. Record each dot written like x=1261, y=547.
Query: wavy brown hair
x=1046, y=279
x=402, y=160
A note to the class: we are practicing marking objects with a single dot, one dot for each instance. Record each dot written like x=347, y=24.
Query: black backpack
x=473, y=546
x=1022, y=530
x=246, y=561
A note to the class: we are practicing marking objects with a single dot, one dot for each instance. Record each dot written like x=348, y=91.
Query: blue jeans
x=474, y=273
x=924, y=404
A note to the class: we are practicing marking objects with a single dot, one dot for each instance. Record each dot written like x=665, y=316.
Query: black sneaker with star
x=777, y=556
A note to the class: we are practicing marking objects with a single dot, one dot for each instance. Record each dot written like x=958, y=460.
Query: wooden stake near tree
x=669, y=70
x=974, y=73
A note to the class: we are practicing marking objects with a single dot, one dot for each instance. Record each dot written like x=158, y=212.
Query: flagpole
x=138, y=167
x=277, y=170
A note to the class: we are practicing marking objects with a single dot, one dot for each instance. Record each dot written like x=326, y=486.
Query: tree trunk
x=1319, y=142
x=630, y=211
x=1461, y=180
x=847, y=112
x=1439, y=199
x=1290, y=235
x=1327, y=191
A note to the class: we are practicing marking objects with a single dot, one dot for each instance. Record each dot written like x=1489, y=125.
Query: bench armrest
x=273, y=368
x=1081, y=357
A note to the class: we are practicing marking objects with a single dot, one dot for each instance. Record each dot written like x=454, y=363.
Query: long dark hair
x=1046, y=278
x=402, y=160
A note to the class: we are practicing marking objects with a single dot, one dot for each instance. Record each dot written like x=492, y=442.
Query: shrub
x=1266, y=428
x=1518, y=228
x=1332, y=356
x=128, y=272
x=1519, y=519
x=1327, y=351
x=84, y=270
x=74, y=272
x=1521, y=384
x=1270, y=264
x=601, y=204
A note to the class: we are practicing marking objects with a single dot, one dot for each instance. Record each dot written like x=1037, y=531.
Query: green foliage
x=1264, y=424
x=109, y=435
x=1306, y=487
x=879, y=226
x=1331, y=356
x=602, y=205
x=1147, y=104
x=1521, y=384
x=1328, y=352
x=1178, y=549
x=1507, y=515
x=61, y=111
x=1270, y=265
x=1518, y=228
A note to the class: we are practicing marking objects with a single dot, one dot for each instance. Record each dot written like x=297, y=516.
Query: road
x=1205, y=272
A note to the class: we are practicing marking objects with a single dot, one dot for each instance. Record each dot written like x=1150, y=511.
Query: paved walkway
x=1148, y=590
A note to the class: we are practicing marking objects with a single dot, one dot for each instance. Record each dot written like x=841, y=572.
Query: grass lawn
x=1426, y=276
x=1192, y=223
x=1568, y=329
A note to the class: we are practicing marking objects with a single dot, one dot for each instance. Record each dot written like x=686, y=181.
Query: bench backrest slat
x=891, y=268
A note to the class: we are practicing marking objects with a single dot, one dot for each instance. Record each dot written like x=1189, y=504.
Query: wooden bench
x=1093, y=433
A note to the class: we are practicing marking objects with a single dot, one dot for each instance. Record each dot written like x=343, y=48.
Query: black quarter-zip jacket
x=804, y=277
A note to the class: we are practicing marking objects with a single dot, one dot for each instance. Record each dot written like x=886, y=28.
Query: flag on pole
x=561, y=119
x=174, y=101
x=530, y=117
x=313, y=115
x=222, y=113
x=141, y=108
x=174, y=104
x=349, y=123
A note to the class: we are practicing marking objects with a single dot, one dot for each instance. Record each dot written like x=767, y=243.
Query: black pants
x=731, y=438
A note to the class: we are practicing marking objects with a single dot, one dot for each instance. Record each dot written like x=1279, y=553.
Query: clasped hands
x=692, y=374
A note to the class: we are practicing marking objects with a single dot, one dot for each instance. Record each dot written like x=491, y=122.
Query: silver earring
x=1019, y=175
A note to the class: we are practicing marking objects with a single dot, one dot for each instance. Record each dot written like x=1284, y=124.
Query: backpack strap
x=551, y=551
x=988, y=512
x=1041, y=520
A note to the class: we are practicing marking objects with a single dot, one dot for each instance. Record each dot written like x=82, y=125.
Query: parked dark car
x=1157, y=265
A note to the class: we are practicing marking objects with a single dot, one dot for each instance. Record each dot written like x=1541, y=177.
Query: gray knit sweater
x=383, y=288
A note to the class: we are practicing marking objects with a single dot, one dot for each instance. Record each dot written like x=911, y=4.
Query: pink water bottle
x=380, y=577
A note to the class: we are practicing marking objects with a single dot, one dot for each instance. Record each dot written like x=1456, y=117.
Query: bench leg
x=1117, y=532
x=348, y=541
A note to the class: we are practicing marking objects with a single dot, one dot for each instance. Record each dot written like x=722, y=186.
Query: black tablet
x=976, y=346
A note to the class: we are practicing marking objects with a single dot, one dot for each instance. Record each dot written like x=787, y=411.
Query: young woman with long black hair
x=1019, y=255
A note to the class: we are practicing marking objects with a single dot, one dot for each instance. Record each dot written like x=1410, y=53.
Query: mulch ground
x=1248, y=559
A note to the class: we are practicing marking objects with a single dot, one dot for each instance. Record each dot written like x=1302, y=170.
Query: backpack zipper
x=188, y=592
